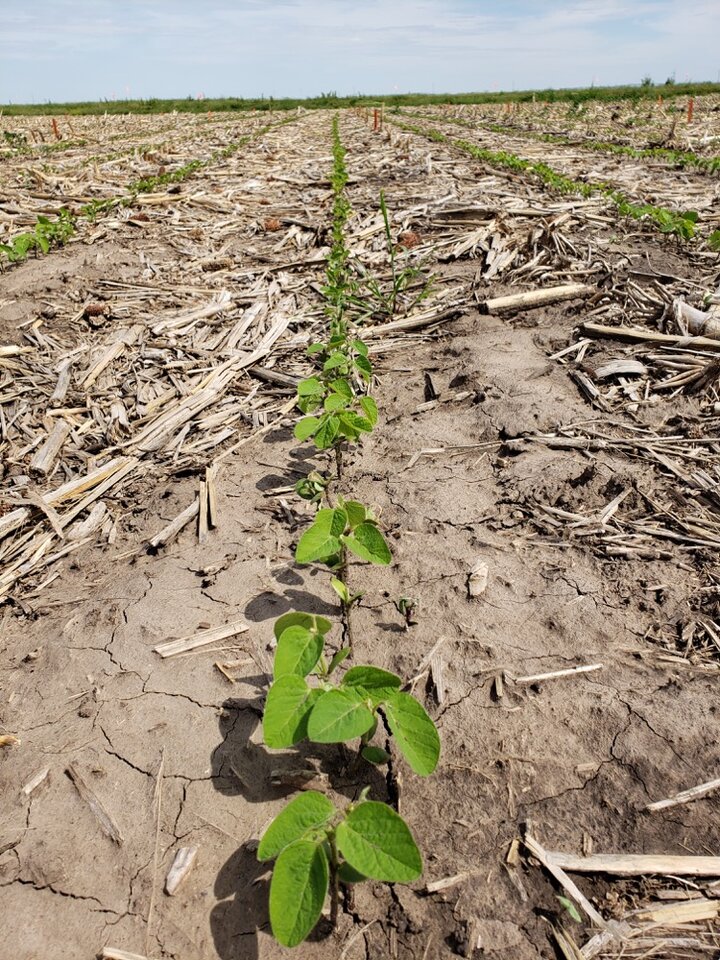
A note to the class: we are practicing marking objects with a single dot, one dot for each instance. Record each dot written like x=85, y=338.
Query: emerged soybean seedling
x=408, y=607
x=329, y=713
x=348, y=526
x=316, y=847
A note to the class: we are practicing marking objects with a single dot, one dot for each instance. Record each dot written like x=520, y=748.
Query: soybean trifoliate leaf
x=289, y=701
x=335, y=402
x=360, y=347
x=356, y=512
x=298, y=652
x=343, y=388
x=338, y=715
x=364, y=366
x=306, y=427
x=414, y=732
x=377, y=684
x=311, y=621
x=377, y=842
x=307, y=810
x=309, y=387
x=321, y=540
x=368, y=543
x=297, y=891
x=335, y=360
x=327, y=431
x=315, y=348
x=370, y=409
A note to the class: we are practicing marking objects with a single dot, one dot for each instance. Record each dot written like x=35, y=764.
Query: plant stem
x=334, y=881
x=346, y=607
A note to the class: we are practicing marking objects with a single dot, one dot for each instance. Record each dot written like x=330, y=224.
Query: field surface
x=565, y=449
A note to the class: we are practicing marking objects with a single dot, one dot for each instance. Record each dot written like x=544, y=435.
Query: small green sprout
x=407, y=607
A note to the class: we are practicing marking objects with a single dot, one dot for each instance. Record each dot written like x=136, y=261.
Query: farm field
x=544, y=469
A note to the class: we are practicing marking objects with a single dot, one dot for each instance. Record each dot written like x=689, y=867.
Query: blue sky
x=105, y=49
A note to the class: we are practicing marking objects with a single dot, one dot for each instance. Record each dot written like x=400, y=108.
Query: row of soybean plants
x=46, y=234
x=317, y=847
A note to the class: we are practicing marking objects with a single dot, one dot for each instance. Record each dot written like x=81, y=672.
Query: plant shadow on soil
x=241, y=915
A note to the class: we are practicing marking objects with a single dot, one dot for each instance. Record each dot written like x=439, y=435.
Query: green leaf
x=377, y=684
x=356, y=512
x=311, y=621
x=297, y=891
x=346, y=874
x=370, y=408
x=364, y=366
x=307, y=810
x=335, y=361
x=342, y=654
x=326, y=432
x=335, y=402
x=322, y=539
x=338, y=715
x=297, y=653
x=713, y=240
x=352, y=425
x=377, y=842
x=310, y=387
x=343, y=388
x=288, y=705
x=306, y=427
x=414, y=732
x=570, y=907
x=368, y=543
x=375, y=755
x=340, y=589
x=43, y=242
x=315, y=348
x=360, y=347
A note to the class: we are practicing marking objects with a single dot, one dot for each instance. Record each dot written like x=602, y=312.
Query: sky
x=69, y=50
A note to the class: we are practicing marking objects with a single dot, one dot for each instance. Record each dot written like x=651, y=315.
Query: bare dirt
x=174, y=750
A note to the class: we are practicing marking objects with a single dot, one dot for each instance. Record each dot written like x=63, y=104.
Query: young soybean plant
x=330, y=713
x=344, y=414
x=316, y=847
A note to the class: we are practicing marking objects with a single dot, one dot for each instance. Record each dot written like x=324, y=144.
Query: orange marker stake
x=55, y=129
x=691, y=109
x=375, y=120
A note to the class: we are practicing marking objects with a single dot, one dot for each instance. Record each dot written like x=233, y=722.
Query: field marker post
x=691, y=109
x=55, y=129
x=375, y=119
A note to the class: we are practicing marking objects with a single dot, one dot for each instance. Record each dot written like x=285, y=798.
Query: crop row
x=677, y=158
x=317, y=847
x=48, y=233
x=681, y=224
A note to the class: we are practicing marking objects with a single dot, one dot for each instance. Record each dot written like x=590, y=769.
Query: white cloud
x=298, y=47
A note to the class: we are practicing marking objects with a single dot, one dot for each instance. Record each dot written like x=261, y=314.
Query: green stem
x=334, y=880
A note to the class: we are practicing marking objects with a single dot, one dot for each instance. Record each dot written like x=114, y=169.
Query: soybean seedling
x=348, y=526
x=407, y=607
x=330, y=713
x=316, y=847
